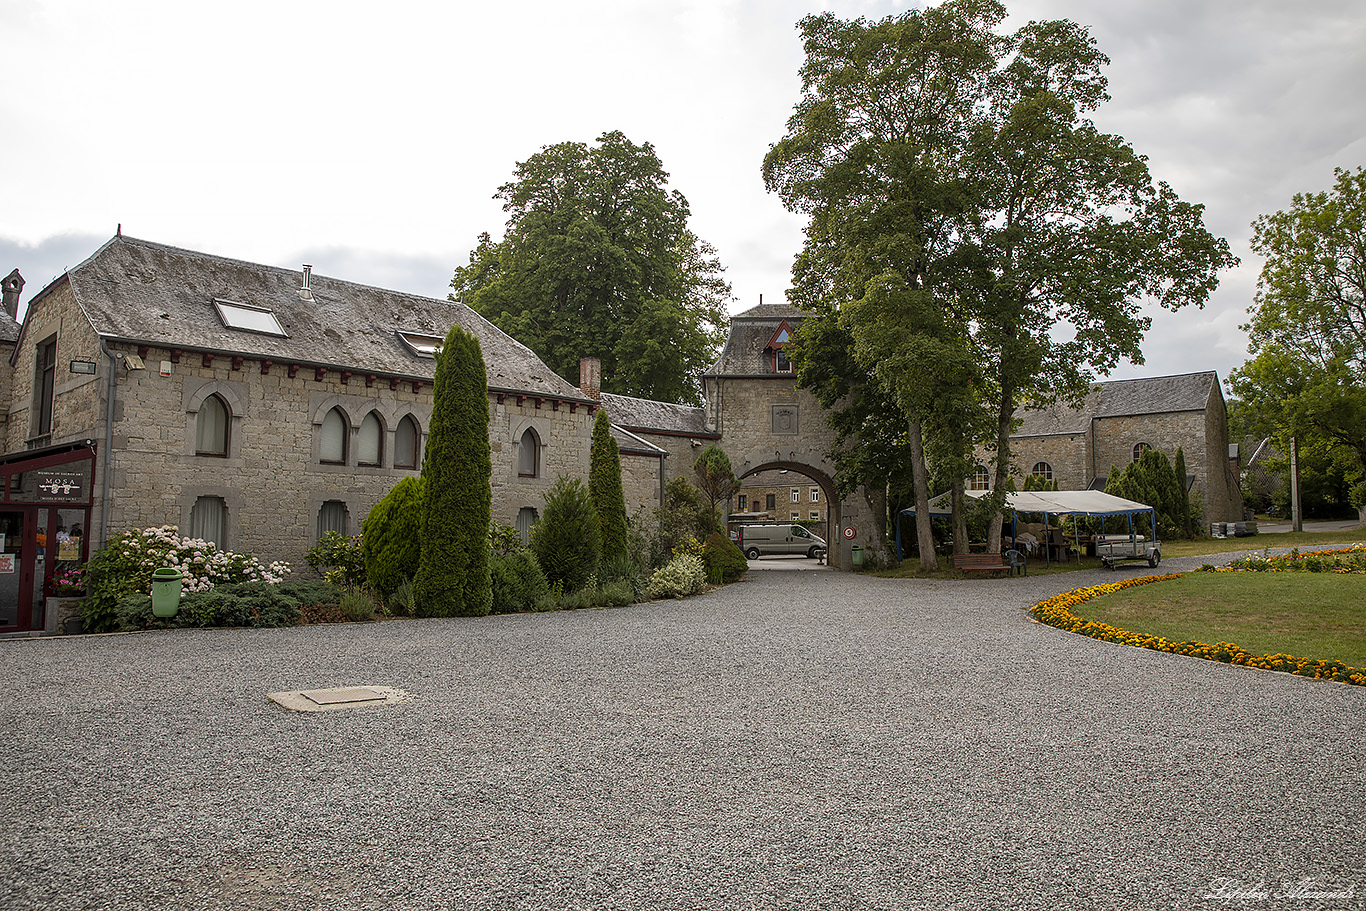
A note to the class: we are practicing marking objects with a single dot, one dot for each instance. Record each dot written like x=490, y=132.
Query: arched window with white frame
x=370, y=442
x=211, y=427
x=981, y=478
x=1042, y=470
x=529, y=455
x=406, y=437
x=332, y=443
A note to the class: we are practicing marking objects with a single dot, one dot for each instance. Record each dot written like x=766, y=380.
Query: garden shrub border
x=1056, y=612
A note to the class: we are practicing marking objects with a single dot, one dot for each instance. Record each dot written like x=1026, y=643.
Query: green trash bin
x=856, y=555
x=165, y=592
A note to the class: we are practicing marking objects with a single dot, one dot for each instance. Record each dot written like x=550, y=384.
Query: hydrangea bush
x=125, y=565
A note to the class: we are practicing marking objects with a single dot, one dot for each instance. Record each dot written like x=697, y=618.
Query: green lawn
x=1306, y=615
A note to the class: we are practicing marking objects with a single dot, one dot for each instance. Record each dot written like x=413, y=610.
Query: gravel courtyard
x=801, y=740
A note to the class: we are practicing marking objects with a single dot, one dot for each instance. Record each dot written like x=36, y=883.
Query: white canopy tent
x=1049, y=503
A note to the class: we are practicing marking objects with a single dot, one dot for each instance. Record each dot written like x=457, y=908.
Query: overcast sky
x=368, y=138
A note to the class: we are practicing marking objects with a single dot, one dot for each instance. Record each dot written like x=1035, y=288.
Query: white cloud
x=373, y=138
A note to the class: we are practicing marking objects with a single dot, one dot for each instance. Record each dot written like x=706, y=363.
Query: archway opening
x=788, y=493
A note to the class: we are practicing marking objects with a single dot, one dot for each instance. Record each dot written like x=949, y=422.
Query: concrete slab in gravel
x=345, y=697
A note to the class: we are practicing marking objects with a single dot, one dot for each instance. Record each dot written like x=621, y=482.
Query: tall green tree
x=605, y=490
x=457, y=497
x=869, y=156
x=715, y=478
x=1307, y=336
x=597, y=260
x=959, y=197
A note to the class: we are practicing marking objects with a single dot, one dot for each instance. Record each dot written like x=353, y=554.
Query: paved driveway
x=798, y=740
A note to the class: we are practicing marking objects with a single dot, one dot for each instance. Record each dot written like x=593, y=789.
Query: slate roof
x=743, y=352
x=645, y=415
x=147, y=293
x=1122, y=398
x=629, y=442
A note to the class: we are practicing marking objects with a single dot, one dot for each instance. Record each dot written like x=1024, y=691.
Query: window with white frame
x=529, y=455
x=796, y=516
x=526, y=517
x=406, y=443
x=370, y=442
x=333, y=516
x=209, y=520
x=211, y=427
x=815, y=516
x=332, y=448
x=981, y=478
x=815, y=495
x=1043, y=470
x=796, y=495
x=1139, y=449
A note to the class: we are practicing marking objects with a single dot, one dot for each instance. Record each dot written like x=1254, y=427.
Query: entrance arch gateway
x=754, y=412
x=763, y=421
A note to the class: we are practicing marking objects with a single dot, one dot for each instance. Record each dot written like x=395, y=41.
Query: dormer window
x=777, y=349
x=248, y=318
x=421, y=345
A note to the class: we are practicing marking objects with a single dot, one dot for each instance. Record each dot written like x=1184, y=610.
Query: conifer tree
x=457, y=503
x=604, y=489
x=1185, y=503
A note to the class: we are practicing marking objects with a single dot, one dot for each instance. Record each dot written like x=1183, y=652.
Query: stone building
x=1076, y=447
x=260, y=407
x=765, y=423
x=250, y=405
x=784, y=495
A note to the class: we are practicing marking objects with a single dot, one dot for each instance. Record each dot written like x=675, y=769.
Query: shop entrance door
x=18, y=608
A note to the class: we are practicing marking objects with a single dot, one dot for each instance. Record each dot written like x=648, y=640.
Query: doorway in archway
x=786, y=493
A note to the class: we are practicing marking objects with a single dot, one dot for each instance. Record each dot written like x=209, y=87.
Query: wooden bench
x=980, y=563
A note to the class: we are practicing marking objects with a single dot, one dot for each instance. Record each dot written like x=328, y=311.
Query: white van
x=787, y=538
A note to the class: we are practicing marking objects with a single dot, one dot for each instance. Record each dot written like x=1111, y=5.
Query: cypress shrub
x=1184, y=506
x=724, y=561
x=457, y=504
x=391, y=537
x=517, y=582
x=567, y=539
x=604, y=489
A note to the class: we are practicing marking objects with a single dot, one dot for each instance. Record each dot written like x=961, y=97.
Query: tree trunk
x=960, y=521
x=920, y=478
x=877, y=505
x=1004, y=416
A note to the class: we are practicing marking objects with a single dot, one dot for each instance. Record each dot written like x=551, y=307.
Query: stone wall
x=640, y=482
x=1069, y=455
x=766, y=422
x=271, y=480
x=77, y=404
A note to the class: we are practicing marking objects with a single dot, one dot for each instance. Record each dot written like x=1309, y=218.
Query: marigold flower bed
x=1056, y=611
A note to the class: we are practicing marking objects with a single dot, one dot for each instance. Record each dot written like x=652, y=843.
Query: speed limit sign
x=851, y=533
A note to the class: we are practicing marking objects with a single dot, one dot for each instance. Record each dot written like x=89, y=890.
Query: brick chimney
x=11, y=288
x=590, y=377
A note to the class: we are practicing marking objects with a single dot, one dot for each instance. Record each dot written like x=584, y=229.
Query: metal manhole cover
x=341, y=697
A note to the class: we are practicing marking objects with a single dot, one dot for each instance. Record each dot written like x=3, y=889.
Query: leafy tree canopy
x=983, y=242
x=597, y=260
x=1307, y=337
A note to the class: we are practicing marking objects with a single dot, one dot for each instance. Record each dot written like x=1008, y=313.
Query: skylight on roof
x=421, y=345
x=248, y=318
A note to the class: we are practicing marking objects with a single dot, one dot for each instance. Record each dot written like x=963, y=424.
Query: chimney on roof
x=306, y=292
x=590, y=377
x=12, y=286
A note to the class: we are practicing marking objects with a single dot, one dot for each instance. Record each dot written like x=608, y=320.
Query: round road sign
x=851, y=533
